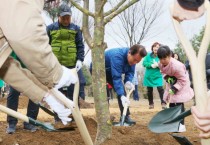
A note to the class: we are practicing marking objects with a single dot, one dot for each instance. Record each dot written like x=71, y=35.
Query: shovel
x=76, y=112
x=122, y=122
x=158, y=122
x=180, y=117
x=45, y=126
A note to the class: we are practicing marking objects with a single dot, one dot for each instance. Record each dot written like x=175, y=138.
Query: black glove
x=172, y=90
x=170, y=79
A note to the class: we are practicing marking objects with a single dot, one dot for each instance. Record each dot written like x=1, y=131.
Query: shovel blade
x=48, y=126
x=124, y=124
x=179, y=117
x=157, y=122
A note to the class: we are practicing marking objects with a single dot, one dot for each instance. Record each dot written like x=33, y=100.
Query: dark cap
x=63, y=10
x=190, y=4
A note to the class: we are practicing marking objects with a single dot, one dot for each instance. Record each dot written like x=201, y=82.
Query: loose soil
x=138, y=134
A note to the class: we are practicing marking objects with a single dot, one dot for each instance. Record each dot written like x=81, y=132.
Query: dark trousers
x=150, y=94
x=82, y=91
x=12, y=103
x=135, y=93
x=182, y=108
x=110, y=81
x=109, y=93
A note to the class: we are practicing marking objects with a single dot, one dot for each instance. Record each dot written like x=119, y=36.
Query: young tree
x=97, y=44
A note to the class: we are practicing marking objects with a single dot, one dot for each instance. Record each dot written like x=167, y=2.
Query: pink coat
x=185, y=92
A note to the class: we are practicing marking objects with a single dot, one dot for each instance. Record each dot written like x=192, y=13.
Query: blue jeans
x=12, y=103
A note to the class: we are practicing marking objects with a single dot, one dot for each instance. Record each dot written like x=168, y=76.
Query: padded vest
x=64, y=46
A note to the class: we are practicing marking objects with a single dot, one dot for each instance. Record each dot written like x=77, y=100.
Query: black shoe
x=11, y=128
x=129, y=120
x=30, y=127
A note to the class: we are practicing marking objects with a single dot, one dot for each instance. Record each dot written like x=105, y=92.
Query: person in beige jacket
x=22, y=30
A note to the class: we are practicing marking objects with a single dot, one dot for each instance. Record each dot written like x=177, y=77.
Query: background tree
x=51, y=6
x=136, y=22
x=195, y=41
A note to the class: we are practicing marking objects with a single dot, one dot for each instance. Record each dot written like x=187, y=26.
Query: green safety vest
x=64, y=47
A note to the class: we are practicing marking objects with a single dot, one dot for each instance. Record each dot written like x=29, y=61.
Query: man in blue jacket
x=120, y=61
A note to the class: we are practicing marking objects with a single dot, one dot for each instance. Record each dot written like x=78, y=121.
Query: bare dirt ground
x=135, y=135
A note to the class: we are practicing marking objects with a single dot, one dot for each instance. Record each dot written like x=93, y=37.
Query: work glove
x=129, y=86
x=172, y=90
x=59, y=107
x=170, y=79
x=125, y=100
x=78, y=65
x=155, y=64
x=67, y=78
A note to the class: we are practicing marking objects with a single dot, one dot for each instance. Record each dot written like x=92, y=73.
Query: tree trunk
x=104, y=129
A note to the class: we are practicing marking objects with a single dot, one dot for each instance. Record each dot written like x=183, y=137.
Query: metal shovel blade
x=124, y=124
x=179, y=117
x=49, y=126
x=157, y=124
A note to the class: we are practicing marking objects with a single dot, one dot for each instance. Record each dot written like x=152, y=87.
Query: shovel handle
x=75, y=112
x=200, y=99
x=14, y=113
x=126, y=105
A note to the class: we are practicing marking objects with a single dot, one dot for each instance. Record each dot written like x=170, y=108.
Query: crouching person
x=178, y=90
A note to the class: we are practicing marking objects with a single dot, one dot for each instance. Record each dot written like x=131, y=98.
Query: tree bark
x=104, y=129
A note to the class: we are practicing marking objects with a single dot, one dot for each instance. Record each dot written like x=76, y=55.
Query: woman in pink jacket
x=178, y=90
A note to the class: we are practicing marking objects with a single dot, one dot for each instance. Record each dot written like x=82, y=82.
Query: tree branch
x=111, y=16
x=114, y=9
x=102, y=5
x=85, y=24
x=83, y=10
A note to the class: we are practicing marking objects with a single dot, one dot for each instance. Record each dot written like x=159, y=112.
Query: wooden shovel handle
x=126, y=105
x=75, y=112
x=14, y=113
x=200, y=99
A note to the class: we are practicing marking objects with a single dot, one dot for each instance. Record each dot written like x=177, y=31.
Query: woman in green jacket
x=153, y=76
x=1, y=86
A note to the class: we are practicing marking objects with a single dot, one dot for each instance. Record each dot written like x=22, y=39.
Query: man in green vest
x=67, y=43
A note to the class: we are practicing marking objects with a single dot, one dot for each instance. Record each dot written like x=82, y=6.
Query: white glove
x=78, y=65
x=129, y=86
x=125, y=100
x=155, y=64
x=67, y=78
x=59, y=108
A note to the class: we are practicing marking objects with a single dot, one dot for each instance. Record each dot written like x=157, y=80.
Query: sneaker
x=11, y=128
x=151, y=106
x=129, y=120
x=182, y=128
x=30, y=127
x=163, y=105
